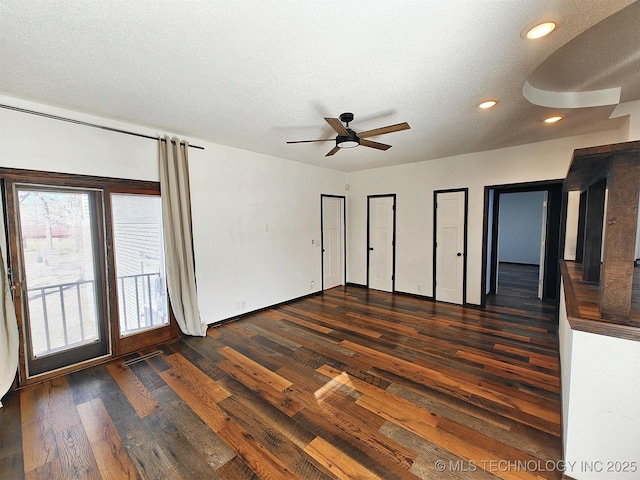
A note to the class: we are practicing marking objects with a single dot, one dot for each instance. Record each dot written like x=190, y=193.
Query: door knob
x=370, y=248
x=458, y=254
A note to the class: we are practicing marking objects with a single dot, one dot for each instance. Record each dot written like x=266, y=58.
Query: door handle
x=370, y=248
x=16, y=289
x=458, y=254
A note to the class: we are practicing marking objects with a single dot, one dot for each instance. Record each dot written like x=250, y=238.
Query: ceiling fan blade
x=388, y=129
x=372, y=144
x=309, y=141
x=333, y=151
x=337, y=126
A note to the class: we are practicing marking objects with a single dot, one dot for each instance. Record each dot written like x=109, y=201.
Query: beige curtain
x=8, y=333
x=178, y=240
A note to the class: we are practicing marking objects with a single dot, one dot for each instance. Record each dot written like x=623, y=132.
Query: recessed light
x=554, y=119
x=538, y=30
x=488, y=104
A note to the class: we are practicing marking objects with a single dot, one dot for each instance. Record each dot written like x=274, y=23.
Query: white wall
x=631, y=110
x=414, y=185
x=571, y=238
x=520, y=227
x=235, y=194
x=257, y=218
x=600, y=393
x=39, y=143
x=565, y=342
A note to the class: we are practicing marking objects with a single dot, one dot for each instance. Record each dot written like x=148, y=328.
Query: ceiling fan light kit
x=347, y=138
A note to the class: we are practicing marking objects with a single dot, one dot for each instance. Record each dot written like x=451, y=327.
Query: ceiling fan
x=347, y=138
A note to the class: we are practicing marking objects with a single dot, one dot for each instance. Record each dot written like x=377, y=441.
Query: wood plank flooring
x=519, y=280
x=354, y=384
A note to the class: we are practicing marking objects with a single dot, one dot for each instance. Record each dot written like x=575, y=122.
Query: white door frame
x=543, y=244
x=435, y=236
x=393, y=241
x=344, y=237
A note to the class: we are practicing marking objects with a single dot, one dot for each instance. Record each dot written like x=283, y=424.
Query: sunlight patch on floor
x=333, y=385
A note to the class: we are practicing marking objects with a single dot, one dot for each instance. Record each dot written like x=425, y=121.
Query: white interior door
x=381, y=243
x=450, y=254
x=543, y=246
x=332, y=241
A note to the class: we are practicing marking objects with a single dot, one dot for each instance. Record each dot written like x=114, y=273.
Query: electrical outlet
x=311, y=284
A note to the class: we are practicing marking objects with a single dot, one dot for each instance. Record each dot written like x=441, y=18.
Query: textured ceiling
x=254, y=74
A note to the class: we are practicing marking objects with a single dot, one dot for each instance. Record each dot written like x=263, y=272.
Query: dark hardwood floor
x=518, y=280
x=354, y=383
x=518, y=289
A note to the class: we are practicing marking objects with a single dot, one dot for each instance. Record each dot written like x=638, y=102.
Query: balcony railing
x=142, y=302
x=64, y=316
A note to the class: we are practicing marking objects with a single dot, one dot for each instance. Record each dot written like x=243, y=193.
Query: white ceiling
x=255, y=73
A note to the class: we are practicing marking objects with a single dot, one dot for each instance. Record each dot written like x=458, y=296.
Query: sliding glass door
x=87, y=270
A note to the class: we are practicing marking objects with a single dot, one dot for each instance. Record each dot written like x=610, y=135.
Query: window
x=139, y=262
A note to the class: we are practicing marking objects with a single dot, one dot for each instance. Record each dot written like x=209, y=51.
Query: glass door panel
x=142, y=303
x=139, y=259
x=61, y=286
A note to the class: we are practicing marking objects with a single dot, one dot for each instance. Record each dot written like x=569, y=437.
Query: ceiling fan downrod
x=346, y=118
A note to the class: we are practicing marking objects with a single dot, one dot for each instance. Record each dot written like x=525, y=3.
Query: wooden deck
x=350, y=384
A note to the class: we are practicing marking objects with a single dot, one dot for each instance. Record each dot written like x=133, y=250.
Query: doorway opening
x=521, y=241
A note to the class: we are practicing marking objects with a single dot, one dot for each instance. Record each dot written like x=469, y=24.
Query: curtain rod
x=87, y=124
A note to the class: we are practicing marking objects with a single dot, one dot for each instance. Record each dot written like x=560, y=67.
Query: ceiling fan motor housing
x=347, y=141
